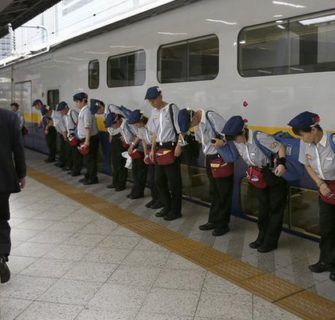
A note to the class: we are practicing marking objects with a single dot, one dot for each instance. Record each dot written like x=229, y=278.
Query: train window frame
x=292, y=68
x=187, y=41
x=125, y=54
x=54, y=93
x=89, y=73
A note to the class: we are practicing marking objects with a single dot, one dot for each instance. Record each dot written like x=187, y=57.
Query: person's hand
x=46, y=131
x=280, y=170
x=130, y=149
x=86, y=143
x=22, y=183
x=218, y=143
x=324, y=190
x=178, y=151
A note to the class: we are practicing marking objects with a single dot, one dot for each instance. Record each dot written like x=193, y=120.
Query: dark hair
x=15, y=104
x=306, y=130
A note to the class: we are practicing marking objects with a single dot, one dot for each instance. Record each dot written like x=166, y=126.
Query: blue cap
x=184, y=120
x=94, y=105
x=110, y=119
x=61, y=106
x=44, y=110
x=80, y=96
x=135, y=116
x=304, y=121
x=234, y=126
x=36, y=102
x=153, y=93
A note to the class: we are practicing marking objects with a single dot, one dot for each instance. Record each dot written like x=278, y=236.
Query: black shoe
x=332, y=276
x=89, y=182
x=170, y=217
x=82, y=180
x=150, y=203
x=220, y=232
x=49, y=160
x=319, y=267
x=110, y=186
x=133, y=197
x=162, y=213
x=4, y=270
x=129, y=196
x=59, y=165
x=75, y=174
x=156, y=205
x=66, y=169
x=264, y=249
x=120, y=188
x=254, y=245
x=207, y=226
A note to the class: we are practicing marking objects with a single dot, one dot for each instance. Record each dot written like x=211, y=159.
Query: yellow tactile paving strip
x=282, y=293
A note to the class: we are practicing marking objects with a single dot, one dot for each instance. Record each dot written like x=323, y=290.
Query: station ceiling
x=18, y=12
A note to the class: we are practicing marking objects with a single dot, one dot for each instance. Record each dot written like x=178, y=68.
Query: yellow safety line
x=282, y=293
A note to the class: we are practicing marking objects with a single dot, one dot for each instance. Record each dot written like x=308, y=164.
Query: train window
x=53, y=98
x=126, y=70
x=191, y=60
x=93, y=74
x=298, y=45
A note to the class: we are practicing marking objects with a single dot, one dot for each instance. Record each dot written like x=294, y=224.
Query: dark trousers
x=5, y=243
x=168, y=181
x=327, y=231
x=62, y=149
x=68, y=155
x=272, y=201
x=220, y=193
x=139, y=170
x=51, y=139
x=77, y=160
x=119, y=172
x=91, y=159
x=151, y=182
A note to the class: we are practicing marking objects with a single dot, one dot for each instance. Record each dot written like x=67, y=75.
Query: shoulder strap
x=268, y=153
x=331, y=141
x=172, y=119
x=75, y=123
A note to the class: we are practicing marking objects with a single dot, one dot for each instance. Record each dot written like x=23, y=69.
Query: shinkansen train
x=266, y=60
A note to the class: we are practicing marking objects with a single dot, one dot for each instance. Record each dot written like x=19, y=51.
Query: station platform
x=89, y=253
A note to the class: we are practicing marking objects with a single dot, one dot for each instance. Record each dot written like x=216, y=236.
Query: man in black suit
x=12, y=179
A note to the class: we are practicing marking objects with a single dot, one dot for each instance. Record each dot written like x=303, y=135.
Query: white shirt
x=86, y=120
x=161, y=125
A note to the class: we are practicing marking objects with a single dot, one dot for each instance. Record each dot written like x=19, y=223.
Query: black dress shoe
x=138, y=196
x=162, y=213
x=220, y=232
x=319, y=267
x=332, y=276
x=49, y=160
x=264, y=249
x=170, y=217
x=110, y=186
x=4, y=270
x=82, y=180
x=75, y=174
x=156, y=205
x=150, y=203
x=120, y=188
x=89, y=182
x=207, y=226
x=129, y=196
x=254, y=245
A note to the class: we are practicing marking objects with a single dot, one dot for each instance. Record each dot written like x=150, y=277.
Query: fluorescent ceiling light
x=277, y=15
x=242, y=42
x=172, y=33
x=308, y=22
x=281, y=27
x=281, y=3
x=221, y=21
